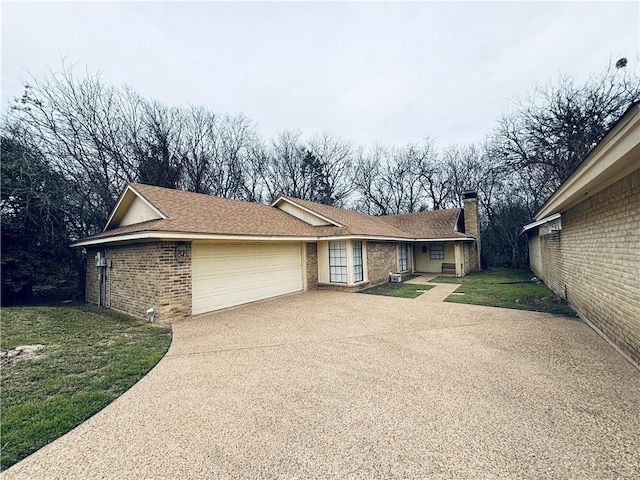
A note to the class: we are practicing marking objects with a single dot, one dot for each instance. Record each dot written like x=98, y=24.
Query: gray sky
x=390, y=73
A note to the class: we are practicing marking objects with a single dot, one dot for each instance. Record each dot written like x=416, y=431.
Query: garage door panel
x=226, y=275
x=239, y=296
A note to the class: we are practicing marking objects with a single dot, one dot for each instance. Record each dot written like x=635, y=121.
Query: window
x=358, y=272
x=404, y=257
x=436, y=252
x=338, y=262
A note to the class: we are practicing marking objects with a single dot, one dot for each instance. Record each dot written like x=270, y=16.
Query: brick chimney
x=472, y=226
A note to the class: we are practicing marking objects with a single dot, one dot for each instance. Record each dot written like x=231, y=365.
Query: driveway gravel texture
x=347, y=386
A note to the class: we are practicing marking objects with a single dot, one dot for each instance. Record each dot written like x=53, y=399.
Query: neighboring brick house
x=585, y=241
x=184, y=254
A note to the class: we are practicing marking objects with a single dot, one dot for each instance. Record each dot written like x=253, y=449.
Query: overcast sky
x=390, y=73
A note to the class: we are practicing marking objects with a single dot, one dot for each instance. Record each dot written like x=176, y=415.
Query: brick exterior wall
x=92, y=283
x=472, y=263
x=470, y=257
x=312, y=265
x=381, y=259
x=472, y=227
x=594, y=261
x=143, y=276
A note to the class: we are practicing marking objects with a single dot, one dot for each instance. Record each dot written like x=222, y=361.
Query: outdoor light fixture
x=181, y=253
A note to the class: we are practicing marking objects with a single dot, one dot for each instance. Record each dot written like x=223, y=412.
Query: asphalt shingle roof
x=197, y=213
x=353, y=223
x=428, y=225
x=189, y=212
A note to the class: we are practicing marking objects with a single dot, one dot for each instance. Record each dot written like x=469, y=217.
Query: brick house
x=585, y=241
x=185, y=254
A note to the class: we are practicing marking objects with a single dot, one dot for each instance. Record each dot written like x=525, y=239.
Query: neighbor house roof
x=176, y=214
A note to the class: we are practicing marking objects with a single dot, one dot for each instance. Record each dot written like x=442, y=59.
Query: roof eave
x=447, y=239
x=186, y=236
x=542, y=221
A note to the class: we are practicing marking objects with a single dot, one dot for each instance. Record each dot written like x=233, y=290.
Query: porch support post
x=458, y=256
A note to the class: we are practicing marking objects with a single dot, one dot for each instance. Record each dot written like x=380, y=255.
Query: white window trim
x=354, y=265
x=431, y=250
x=403, y=246
x=343, y=247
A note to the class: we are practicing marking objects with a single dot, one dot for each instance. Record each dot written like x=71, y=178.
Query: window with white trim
x=436, y=251
x=404, y=257
x=338, y=262
x=358, y=270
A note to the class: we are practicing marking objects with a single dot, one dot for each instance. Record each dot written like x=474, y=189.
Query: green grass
x=497, y=287
x=402, y=290
x=91, y=356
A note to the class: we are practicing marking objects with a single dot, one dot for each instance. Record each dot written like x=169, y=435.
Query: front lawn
x=507, y=288
x=89, y=357
x=403, y=290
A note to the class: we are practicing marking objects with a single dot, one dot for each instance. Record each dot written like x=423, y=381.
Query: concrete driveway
x=340, y=385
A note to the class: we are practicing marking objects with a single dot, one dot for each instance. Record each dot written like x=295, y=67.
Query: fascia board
x=396, y=239
x=118, y=203
x=365, y=237
x=169, y=236
x=457, y=219
x=542, y=221
x=454, y=239
x=181, y=236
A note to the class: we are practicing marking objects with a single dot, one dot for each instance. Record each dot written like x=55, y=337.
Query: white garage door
x=229, y=274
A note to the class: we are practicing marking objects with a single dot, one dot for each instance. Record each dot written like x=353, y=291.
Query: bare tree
x=76, y=124
x=554, y=129
x=393, y=180
x=198, y=149
x=234, y=140
x=97, y=138
x=158, y=145
x=335, y=157
x=283, y=174
x=372, y=192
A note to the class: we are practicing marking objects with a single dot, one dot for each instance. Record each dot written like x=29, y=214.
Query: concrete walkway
x=348, y=386
x=438, y=293
x=424, y=278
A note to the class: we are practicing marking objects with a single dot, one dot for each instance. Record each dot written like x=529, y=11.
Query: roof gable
x=132, y=208
x=185, y=215
x=305, y=214
x=201, y=213
x=349, y=222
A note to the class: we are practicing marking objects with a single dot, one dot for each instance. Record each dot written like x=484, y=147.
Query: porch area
x=450, y=258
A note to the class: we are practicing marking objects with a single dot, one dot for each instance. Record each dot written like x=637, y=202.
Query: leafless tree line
x=99, y=137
